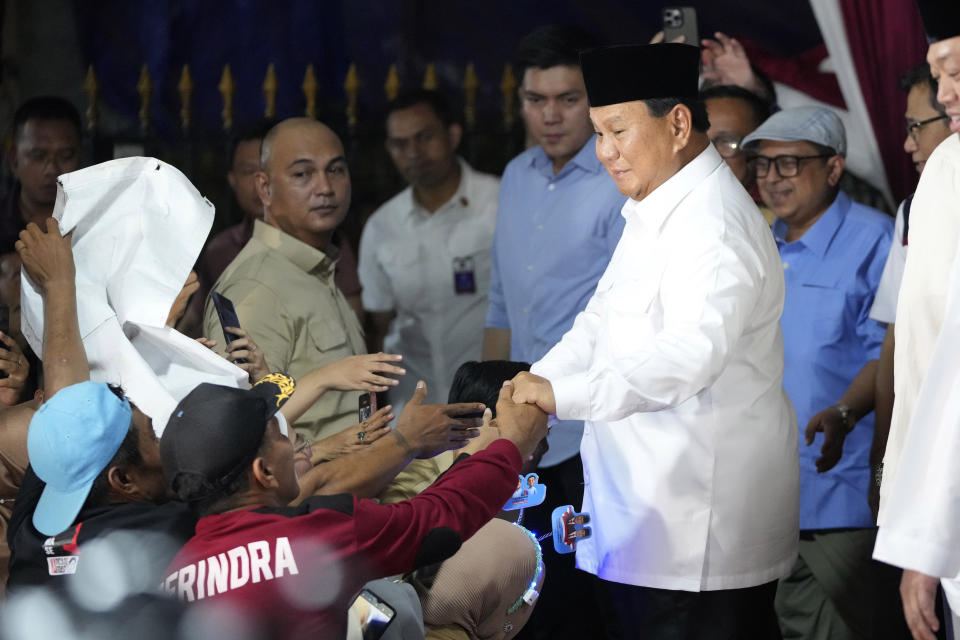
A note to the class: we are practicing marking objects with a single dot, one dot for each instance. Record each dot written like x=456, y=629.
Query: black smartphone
x=368, y=404
x=228, y=318
x=680, y=21
x=377, y=618
x=5, y=327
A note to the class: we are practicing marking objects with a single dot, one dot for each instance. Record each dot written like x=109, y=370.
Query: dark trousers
x=568, y=606
x=662, y=614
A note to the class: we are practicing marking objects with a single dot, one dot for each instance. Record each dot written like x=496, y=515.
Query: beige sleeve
x=262, y=315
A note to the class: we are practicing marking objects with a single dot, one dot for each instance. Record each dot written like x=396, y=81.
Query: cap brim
x=56, y=510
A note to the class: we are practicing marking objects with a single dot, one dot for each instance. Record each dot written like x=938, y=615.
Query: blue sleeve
x=615, y=222
x=497, y=311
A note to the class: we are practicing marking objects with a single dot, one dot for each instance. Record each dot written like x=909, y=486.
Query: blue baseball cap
x=72, y=438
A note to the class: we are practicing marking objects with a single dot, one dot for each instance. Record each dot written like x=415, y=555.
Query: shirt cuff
x=572, y=396
x=917, y=554
x=497, y=317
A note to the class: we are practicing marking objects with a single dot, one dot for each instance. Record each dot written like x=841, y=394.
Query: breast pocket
x=829, y=312
x=327, y=336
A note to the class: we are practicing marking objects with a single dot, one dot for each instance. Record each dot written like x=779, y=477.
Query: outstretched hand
x=431, y=429
x=46, y=255
x=365, y=372
x=354, y=438
x=523, y=424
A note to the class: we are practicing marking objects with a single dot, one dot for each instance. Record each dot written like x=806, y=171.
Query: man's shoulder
x=255, y=264
x=521, y=162
x=870, y=220
x=397, y=206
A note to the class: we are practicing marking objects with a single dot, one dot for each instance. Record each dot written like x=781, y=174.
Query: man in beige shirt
x=282, y=282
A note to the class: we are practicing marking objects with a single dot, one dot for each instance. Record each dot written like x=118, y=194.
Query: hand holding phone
x=228, y=318
x=680, y=21
x=368, y=404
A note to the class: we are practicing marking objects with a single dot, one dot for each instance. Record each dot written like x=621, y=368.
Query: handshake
x=522, y=410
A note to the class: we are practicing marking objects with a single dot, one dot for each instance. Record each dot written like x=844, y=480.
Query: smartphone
x=377, y=618
x=5, y=327
x=680, y=21
x=368, y=404
x=228, y=318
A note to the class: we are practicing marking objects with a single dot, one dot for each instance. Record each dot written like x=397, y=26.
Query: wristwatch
x=848, y=421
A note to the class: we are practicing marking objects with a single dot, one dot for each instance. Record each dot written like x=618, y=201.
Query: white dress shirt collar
x=653, y=211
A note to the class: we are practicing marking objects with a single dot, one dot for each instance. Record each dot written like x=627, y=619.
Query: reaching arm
x=48, y=262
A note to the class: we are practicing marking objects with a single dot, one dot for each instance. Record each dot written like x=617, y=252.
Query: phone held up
x=375, y=615
x=228, y=318
x=680, y=21
x=368, y=404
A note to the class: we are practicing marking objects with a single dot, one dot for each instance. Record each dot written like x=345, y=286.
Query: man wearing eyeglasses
x=833, y=252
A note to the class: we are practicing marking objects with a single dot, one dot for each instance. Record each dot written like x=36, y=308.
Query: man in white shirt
x=919, y=505
x=676, y=364
x=425, y=254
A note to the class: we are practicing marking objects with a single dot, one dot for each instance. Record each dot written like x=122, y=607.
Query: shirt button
x=786, y=265
x=529, y=267
x=552, y=186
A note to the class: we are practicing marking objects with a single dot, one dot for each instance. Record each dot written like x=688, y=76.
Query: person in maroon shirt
x=293, y=570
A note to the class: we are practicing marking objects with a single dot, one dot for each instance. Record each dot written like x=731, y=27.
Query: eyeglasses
x=728, y=145
x=787, y=166
x=913, y=128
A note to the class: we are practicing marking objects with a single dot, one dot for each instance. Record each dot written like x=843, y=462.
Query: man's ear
x=681, y=125
x=263, y=187
x=836, y=164
x=263, y=474
x=123, y=483
x=456, y=135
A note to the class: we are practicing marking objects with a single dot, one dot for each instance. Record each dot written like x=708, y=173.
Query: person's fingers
x=379, y=367
x=812, y=428
x=462, y=408
x=386, y=357
x=657, y=37
x=10, y=342
x=380, y=381
x=927, y=610
x=465, y=424
x=53, y=227
x=736, y=48
x=487, y=417
x=712, y=47
x=236, y=331
x=419, y=393
x=207, y=342
x=506, y=392
x=723, y=39
x=242, y=354
x=191, y=278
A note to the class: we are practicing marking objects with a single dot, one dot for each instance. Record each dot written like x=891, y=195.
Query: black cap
x=215, y=432
x=640, y=72
x=941, y=18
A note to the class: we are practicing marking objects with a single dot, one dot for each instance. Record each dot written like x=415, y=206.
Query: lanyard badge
x=529, y=493
x=464, y=280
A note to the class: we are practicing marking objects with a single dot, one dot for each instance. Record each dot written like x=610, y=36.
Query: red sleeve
x=464, y=499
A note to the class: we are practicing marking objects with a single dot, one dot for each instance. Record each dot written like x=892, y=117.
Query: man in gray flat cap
x=675, y=365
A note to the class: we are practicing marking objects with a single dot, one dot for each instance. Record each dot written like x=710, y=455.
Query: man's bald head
x=304, y=182
x=294, y=127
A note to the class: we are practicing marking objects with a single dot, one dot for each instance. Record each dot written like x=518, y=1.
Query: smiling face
x=555, y=111
x=944, y=59
x=304, y=183
x=732, y=119
x=927, y=136
x=799, y=200
x=639, y=150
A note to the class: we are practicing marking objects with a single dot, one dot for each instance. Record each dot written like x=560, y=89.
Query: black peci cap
x=216, y=431
x=941, y=18
x=640, y=72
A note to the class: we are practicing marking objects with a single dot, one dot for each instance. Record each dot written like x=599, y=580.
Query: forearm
x=884, y=400
x=309, y=389
x=364, y=474
x=64, y=358
x=496, y=344
x=861, y=393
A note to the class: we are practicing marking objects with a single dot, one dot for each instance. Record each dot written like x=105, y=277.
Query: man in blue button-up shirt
x=557, y=226
x=833, y=252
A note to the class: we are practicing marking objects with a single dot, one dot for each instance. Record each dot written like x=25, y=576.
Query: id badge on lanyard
x=464, y=278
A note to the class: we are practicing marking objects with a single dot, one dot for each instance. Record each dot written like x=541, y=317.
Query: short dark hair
x=918, y=76
x=660, y=107
x=759, y=107
x=248, y=132
x=437, y=101
x=553, y=45
x=45, y=108
x=482, y=381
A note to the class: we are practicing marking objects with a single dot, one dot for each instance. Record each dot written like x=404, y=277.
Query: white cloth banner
x=138, y=226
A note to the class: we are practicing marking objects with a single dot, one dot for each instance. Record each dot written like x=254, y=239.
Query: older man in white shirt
x=689, y=449
x=920, y=495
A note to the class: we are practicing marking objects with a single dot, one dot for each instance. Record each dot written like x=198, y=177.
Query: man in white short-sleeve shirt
x=425, y=254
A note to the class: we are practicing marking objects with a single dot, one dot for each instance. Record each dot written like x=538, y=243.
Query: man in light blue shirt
x=557, y=226
x=833, y=251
